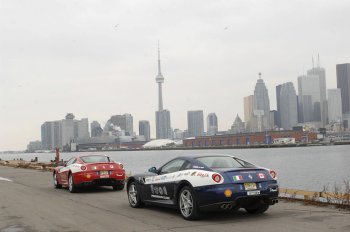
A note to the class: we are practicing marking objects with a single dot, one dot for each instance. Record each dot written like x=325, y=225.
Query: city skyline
x=120, y=125
x=100, y=61
x=289, y=113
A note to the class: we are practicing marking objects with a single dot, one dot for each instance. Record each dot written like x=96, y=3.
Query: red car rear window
x=95, y=159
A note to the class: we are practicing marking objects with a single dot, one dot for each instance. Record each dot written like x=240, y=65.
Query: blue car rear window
x=224, y=162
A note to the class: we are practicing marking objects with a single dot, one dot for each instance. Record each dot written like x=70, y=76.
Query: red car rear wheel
x=55, y=181
x=71, y=186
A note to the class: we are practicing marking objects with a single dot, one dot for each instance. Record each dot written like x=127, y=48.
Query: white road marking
x=5, y=179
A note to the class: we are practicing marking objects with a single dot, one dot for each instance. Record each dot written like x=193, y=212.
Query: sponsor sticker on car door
x=159, y=192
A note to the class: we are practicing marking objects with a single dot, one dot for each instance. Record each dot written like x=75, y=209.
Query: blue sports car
x=205, y=182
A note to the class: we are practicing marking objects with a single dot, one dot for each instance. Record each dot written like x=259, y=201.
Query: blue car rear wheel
x=188, y=204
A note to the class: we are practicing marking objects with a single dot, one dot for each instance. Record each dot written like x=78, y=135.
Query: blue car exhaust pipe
x=226, y=206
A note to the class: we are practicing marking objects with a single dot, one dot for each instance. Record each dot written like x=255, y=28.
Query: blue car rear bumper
x=215, y=196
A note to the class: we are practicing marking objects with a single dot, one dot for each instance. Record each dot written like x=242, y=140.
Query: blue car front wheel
x=134, y=196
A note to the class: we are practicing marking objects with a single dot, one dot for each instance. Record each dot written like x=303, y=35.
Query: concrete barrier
x=323, y=196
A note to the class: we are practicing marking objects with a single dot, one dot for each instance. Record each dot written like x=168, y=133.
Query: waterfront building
x=34, y=146
x=163, y=122
x=185, y=134
x=288, y=106
x=238, y=126
x=195, y=123
x=244, y=139
x=278, y=112
x=112, y=142
x=96, y=129
x=178, y=134
x=47, y=135
x=58, y=134
x=212, y=124
x=261, y=110
x=334, y=106
x=124, y=122
x=309, y=98
x=144, y=129
x=162, y=143
x=343, y=83
x=248, y=103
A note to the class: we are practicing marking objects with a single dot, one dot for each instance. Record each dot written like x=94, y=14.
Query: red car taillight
x=216, y=177
x=273, y=174
x=83, y=168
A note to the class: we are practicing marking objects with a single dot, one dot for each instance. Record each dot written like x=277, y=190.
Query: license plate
x=104, y=174
x=251, y=193
x=249, y=186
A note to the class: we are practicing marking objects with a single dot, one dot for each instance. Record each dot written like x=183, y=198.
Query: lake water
x=308, y=168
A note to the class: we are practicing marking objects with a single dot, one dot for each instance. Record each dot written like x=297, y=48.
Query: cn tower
x=159, y=80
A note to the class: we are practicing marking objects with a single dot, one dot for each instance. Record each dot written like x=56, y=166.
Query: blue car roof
x=194, y=156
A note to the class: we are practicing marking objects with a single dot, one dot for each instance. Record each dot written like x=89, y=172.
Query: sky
x=99, y=58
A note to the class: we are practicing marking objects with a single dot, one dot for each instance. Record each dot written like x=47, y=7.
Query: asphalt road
x=28, y=202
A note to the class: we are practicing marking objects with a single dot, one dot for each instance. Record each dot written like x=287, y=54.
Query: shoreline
x=253, y=146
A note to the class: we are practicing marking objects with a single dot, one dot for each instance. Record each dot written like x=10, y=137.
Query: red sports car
x=87, y=170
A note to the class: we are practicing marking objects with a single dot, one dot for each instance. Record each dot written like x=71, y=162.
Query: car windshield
x=224, y=162
x=94, y=159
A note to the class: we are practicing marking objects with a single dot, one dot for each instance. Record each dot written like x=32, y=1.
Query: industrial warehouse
x=268, y=137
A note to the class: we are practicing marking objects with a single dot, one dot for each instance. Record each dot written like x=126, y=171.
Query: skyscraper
x=96, y=129
x=125, y=122
x=212, y=124
x=309, y=98
x=321, y=73
x=144, y=129
x=47, y=136
x=273, y=117
x=248, y=103
x=195, y=123
x=343, y=83
x=278, y=99
x=261, y=110
x=288, y=106
x=163, y=123
x=238, y=126
x=81, y=128
x=334, y=105
x=67, y=129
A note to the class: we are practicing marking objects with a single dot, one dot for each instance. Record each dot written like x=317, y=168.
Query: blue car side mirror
x=153, y=169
